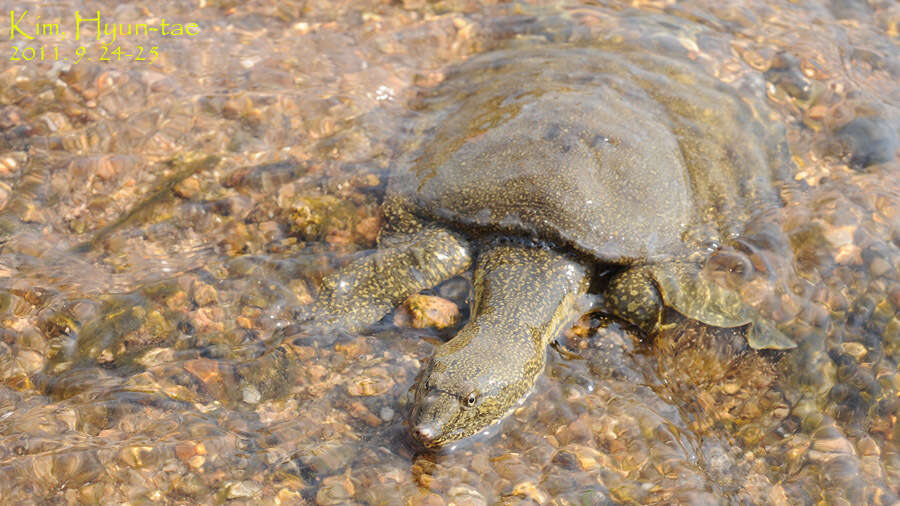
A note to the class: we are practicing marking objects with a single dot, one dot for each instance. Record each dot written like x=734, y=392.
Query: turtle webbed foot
x=639, y=294
x=763, y=335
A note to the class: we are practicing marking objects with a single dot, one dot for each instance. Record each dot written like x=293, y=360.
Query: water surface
x=160, y=222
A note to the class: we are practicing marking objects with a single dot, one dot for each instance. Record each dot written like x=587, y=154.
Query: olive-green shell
x=626, y=157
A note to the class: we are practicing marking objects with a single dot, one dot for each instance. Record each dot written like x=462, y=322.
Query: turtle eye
x=471, y=399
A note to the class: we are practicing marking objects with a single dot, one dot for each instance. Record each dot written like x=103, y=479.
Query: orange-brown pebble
x=368, y=228
x=422, y=311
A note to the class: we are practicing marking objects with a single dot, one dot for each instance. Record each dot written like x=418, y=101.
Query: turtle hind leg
x=362, y=292
x=632, y=296
x=639, y=294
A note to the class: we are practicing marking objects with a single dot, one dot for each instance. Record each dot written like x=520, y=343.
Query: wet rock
x=330, y=458
x=138, y=456
x=785, y=73
x=868, y=141
x=422, y=311
x=354, y=349
x=242, y=489
x=188, y=188
x=204, y=294
x=530, y=490
x=251, y=394
x=374, y=381
x=335, y=490
x=216, y=380
x=466, y=496
x=511, y=467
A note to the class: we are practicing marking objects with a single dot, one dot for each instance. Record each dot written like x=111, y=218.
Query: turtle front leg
x=639, y=295
x=361, y=293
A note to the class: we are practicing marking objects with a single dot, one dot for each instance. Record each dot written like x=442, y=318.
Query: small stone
x=188, y=188
x=778, y=496
x=288, y=496
x=316, y=372
x=30, y=361
x=136, y=456
x=205, y=294
x=5, y=192
x=856, y=350
x=185, y=450
x=386, y=413
x=480, y=464
x=209, y=373
x=243, y=489
x=510, y=466
x=422, y=311
x=208, y=319
x=355, y=348
x=879, y=267
x=94, y=493
x=374, y=381
x=839, y=235
x=867, y=446
x=368, y=228
x=251, y=395
x=32, y=214
x=329, y=458
x=833, y=445
x=338, y=237
x=335, y=490
x=466, y=496
x=177, y=300
x=196, y=461
x=529, y=490
x=431, y=499
x=817, y=112
x=580, y=457
x=589, y=458
x=849, y=254
x=578, y=431
x=156, y=356
x=359, y=410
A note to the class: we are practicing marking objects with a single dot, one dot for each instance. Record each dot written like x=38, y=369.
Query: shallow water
x=160, y=222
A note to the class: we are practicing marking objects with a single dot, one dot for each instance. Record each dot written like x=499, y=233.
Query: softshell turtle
x=537, y=166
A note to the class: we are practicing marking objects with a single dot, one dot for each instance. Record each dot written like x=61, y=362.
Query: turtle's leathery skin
x=364, y=291
x=524, y=297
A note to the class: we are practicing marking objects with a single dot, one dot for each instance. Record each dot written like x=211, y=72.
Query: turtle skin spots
x=363, y=292
x=524, y=297
x=632, y=296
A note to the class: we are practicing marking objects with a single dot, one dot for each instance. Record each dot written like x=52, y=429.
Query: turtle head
x=464, y=390
x=524, y=297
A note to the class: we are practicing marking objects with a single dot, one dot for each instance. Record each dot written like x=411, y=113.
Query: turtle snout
x=429, y=416
x=425, y=433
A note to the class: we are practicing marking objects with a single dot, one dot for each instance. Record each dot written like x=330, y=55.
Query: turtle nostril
x=424, y=432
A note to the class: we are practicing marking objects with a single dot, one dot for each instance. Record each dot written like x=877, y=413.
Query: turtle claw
x=762, y=335
x=563, y=351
